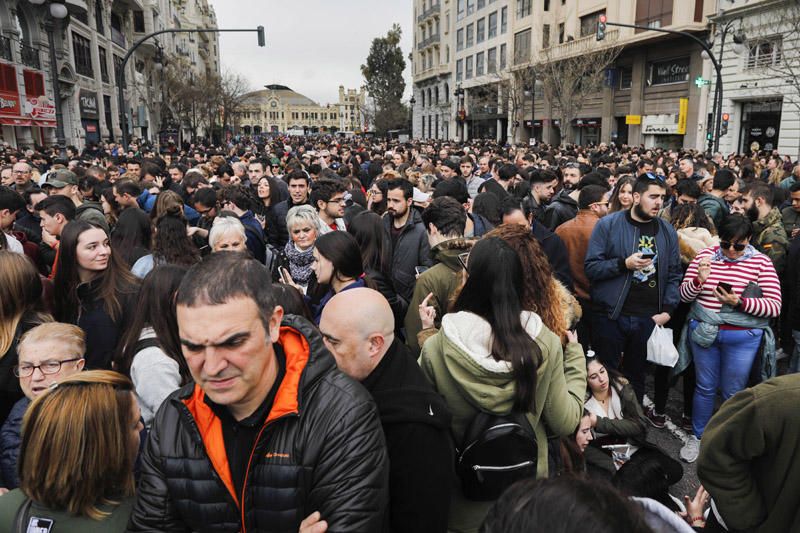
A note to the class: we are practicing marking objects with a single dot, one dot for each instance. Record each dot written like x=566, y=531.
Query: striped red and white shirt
x=758, y=269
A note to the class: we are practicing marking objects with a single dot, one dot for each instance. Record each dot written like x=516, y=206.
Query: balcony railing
x=30, y=56
x=118, y=38
x=432, y=10
x=429, y=41
x=580, y=46
x=5, y=49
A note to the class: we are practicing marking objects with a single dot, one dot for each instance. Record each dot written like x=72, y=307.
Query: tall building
x=89, y=45
x=640, y=102
x=279, y=109
x=431, y=64
x=760, y=59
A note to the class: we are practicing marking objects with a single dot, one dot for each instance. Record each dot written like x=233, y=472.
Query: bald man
x=358, y=328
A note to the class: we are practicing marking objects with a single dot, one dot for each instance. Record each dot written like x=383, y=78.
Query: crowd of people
x=327, y=334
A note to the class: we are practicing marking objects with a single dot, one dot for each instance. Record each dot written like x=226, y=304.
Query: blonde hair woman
x=79, y=444
x=20, y=310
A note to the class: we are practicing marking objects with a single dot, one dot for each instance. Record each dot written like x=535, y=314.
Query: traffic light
x=724, y=129
x=601, y=27
x=262, y=41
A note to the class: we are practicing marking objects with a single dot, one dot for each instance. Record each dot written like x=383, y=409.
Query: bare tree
x=570, y=74
x=773, y=51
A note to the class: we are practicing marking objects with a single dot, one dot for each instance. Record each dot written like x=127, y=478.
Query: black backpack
x=496, y=451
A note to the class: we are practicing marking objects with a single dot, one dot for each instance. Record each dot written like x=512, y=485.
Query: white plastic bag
x=660, y=349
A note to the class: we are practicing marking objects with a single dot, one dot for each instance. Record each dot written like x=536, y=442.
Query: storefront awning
x=45, y=123
x=14, y=121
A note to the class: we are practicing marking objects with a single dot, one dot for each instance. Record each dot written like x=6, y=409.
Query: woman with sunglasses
x=735, y=292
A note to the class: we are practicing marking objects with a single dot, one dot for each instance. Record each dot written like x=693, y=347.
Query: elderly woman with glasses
x=735, y=292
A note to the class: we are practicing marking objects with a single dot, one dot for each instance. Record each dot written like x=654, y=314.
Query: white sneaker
x=691, y=449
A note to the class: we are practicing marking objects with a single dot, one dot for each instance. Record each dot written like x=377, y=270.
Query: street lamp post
x=132, y=49
x=58, y=12
x=412, y=102
x=738, y=39
x=459, y=94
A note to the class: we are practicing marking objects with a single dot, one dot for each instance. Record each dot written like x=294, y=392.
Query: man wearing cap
x=65, y=183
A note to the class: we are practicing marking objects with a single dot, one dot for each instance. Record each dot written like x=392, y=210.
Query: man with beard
x=632, y=292
x=769, y=235
x=543, y=186
x=407, y=235
x=565, y=204
x=299, y=185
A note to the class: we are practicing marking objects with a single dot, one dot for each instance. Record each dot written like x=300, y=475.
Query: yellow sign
x=683, y=110
x=633, y=119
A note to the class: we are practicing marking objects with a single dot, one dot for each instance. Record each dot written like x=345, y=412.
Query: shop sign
x=683, y=112
x=88, y=104
x=633, y=120
x=671, y=71
x=660, y=125
x=9, y=103
x=40, y=108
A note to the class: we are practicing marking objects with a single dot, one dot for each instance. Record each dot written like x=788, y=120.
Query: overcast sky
x=313, y=46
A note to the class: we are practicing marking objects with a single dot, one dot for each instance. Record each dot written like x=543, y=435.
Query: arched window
x=22, y=27
x=422, y=95
x=447, y=92
x=436, y=95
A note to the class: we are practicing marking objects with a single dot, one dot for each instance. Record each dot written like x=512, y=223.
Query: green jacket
x=790, y=219
x=458, y=362
x=716, y=208
x=748, y=457
x=770, y=238
x=443, y=280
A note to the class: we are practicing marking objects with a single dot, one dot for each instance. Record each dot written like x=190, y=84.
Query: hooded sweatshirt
x=458, y=362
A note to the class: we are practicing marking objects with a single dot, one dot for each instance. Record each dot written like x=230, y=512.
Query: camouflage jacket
x=769, y=238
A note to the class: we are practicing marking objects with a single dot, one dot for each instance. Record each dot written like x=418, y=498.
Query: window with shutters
x=8, y=78
x=34, y=83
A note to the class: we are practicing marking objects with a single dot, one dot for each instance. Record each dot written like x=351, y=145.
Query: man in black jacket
x=407, y=235
x=270, y=431
x=299, y=192
x=358, y=328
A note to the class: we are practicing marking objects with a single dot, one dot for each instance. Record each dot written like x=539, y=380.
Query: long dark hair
x=341, y=249
x=115, y=280
x=133, y=231
x=172, y=245
x=492, y=291
x=367, y=228
x=276, y=195
x=155, y=308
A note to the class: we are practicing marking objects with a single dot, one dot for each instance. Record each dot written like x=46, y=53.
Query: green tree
x=383, y=73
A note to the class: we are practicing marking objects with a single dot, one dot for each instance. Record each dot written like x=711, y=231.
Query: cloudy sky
x=313, y=46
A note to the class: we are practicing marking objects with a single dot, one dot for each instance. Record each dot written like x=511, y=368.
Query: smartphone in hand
x=725, y=287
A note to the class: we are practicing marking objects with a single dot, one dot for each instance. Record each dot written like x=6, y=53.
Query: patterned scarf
x=299, y=263
x=748, y=253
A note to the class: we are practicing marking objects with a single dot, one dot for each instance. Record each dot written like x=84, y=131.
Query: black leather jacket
x=321, y=449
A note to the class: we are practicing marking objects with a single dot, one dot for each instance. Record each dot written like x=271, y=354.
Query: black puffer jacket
x=412, y=250
x=321, y=449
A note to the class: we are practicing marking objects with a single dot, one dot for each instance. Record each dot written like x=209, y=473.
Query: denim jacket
x=613, y=240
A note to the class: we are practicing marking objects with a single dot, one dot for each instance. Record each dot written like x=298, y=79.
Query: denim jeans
x=621, y=344
x=724, y=366
x=794, y=362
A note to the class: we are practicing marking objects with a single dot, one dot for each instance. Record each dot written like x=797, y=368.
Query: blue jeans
x=724, y=366
x=621, y=344
x=794, y=362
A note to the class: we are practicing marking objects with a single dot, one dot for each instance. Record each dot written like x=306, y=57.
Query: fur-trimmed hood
x=692, y=240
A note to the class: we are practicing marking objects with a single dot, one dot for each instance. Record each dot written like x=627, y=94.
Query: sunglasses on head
x=653, y=176
x=726, y=245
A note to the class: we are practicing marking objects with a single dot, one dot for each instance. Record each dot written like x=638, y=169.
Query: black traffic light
x=262, y=41
x=601, y=27
x=724, y=129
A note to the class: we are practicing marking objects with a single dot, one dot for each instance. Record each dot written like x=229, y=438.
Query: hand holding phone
x=725, y=287
x=285, y=276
